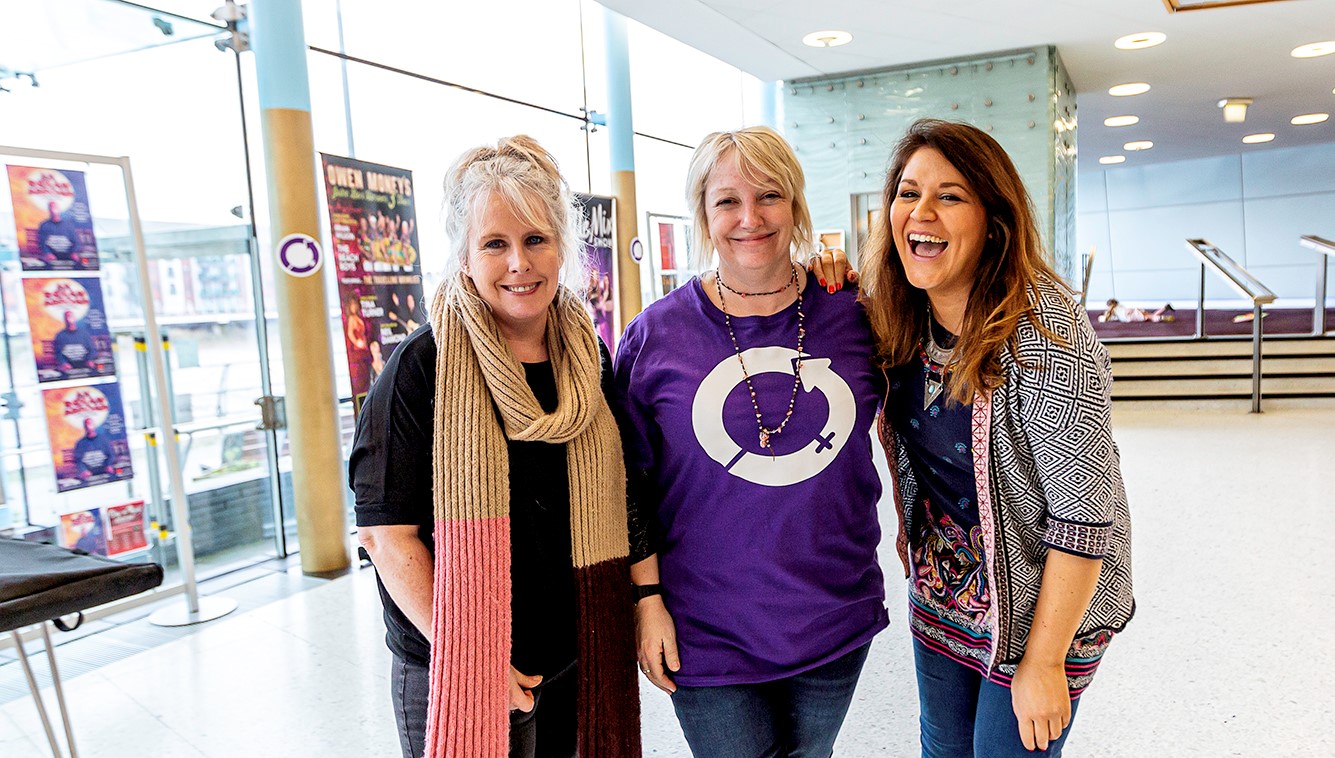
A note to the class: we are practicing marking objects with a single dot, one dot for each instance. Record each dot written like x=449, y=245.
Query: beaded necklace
x=766, y=433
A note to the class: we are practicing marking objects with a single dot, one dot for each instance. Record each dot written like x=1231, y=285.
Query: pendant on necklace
x=931, y=390
x=764, y=439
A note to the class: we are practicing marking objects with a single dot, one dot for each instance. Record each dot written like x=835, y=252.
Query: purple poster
x=88, y=437
x=374, y=226
x=598, y=235
x=68, y=325
x=51, y=216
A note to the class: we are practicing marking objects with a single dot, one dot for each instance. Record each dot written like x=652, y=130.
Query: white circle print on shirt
x=767, y=470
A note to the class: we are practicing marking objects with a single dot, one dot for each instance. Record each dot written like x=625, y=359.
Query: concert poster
x=373, y=221
x=51, y=216
x=126, y=530
x=86, y=426
x=84, y=530
x=68, y=327
x=597, y=231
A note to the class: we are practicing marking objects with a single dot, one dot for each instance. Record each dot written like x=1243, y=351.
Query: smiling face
x=939, y=228
x=750, y=220
x=514, y=263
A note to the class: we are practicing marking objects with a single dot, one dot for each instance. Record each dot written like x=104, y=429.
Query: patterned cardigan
x=1048, y=477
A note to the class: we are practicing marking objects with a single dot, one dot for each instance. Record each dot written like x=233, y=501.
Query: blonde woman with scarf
x=491, y=490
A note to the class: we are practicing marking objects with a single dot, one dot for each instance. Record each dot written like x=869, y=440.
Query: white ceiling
x=1210, y=54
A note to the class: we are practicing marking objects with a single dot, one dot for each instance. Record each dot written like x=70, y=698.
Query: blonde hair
x=523, y=173
x=1011, y=261
x=762, y=156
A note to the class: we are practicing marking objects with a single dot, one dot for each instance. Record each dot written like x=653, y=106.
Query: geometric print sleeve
x=1065, y=393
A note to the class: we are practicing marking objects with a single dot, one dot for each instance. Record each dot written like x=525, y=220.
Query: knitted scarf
x=478, y=379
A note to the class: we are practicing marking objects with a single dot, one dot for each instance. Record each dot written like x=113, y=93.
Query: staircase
x=1221, y=369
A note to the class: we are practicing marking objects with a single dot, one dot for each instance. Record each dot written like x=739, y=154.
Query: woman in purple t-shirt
x=747, y=406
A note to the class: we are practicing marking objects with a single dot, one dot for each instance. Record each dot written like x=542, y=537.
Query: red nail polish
x=822, y=282
x=831, y=289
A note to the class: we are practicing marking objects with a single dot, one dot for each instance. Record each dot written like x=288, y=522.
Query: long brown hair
x=1011, y=261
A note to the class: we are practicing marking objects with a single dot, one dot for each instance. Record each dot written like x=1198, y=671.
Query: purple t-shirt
x=768, y=561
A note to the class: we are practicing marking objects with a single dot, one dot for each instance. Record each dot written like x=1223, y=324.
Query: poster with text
x=86, y=426
x=373, y=221
x=597, y=231
x=126, y=530
x=83, y=530
x=51, y=216
x=68, y=326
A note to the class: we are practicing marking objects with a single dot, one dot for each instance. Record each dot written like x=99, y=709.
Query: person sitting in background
x=1125, y=313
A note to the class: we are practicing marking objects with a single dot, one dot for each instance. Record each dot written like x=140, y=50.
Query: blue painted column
x=621, y=130
x=769, y=104
x=279, y=43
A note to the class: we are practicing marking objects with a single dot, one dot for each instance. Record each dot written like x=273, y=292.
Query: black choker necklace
x=718, y=275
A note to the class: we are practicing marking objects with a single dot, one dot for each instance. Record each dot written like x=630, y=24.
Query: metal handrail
x=1245, y=285
x=1088, y=274
x=1326, y=247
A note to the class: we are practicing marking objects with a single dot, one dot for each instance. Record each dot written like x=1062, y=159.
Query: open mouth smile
x=926, y=245
x=519, y=289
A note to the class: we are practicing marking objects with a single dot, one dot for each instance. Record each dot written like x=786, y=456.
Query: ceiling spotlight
x=1109, y=160
x=1121, y=120
x=1256, y=139
x=831, y=38
x=1132, y=88
x=1314, y=49
x=1235, y=109
x=1138, y=145
x=1309, y=118
x=1140, y=40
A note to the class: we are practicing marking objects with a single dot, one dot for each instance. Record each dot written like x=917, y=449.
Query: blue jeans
x=963, y=715
x=796, y=717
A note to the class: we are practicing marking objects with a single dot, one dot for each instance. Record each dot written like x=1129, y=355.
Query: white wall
x=1253, y=206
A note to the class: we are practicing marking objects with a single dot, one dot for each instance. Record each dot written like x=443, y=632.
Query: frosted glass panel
x=844, y=128
x=1205, y=180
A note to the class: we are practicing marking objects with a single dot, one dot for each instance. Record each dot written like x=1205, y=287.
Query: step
x=1271, y=365
x=1213, y=348
x=1291, y=386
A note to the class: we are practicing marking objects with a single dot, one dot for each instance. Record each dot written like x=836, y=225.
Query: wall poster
x=373, y=222
x=597, y=231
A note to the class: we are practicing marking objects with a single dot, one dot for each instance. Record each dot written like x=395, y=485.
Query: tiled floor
x=1232, y=652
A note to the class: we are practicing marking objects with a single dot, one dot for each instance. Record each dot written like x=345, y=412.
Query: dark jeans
x=796, y=717
x=963, y=715
x=547, y=731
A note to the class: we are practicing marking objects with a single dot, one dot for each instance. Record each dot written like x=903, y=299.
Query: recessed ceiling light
x=1131, y=88
x=1256, y=139
x=1309, y=118
x=1235, y=109
x=1121, y=120
x=1314, y=49
x=1138, y=145
x=830, y=38
x=1140, y=40
x=1108, y=160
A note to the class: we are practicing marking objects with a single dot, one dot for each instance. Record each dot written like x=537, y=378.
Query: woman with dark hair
x=1014, y=529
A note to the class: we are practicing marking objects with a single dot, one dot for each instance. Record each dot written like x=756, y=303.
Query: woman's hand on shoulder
x=831, y=269
x=656, y=635
x=1041, y=701
x=521, y=690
